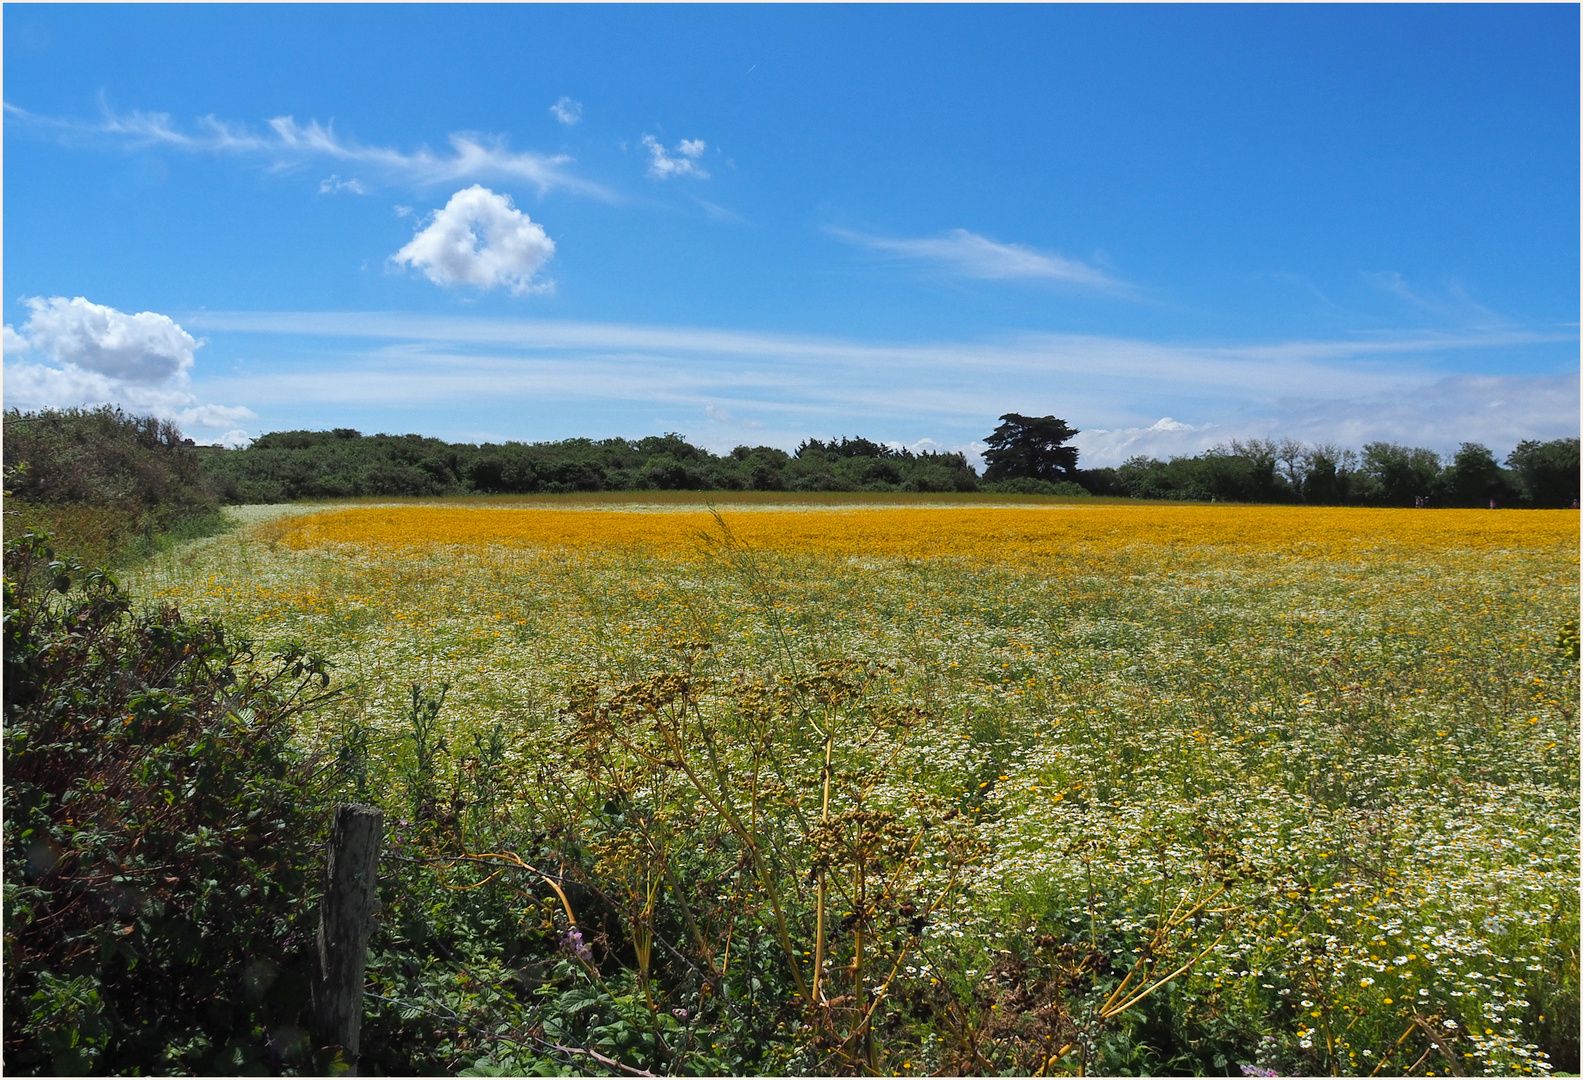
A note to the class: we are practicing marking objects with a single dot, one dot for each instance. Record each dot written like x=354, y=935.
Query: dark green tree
x=1475, y=478
x=1396, y=475
x=1548, y=471
x=1032, y=447
x=1327, y=474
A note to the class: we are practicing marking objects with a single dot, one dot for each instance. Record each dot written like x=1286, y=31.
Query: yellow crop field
x=1037, y=789
x=999, y=534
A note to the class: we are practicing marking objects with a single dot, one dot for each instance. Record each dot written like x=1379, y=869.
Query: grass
x=1347, y=736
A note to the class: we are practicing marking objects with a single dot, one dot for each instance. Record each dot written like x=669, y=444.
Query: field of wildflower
x=1042, y=789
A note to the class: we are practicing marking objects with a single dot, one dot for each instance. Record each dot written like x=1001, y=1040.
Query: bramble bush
x=162, y=838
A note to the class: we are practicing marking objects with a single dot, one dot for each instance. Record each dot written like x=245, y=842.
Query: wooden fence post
x=350, y=893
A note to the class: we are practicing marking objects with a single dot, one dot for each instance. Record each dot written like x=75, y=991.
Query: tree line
x=1534, y=474
x=1028, y=455
x=1028, y=452
x=128, y=476
x=289, y=465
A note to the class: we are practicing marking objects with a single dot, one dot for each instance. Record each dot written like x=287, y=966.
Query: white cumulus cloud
x=213, y=416
x=567, y=111
x=73, y=352
x=662, y=166
x=141, y=348
x=479, y=239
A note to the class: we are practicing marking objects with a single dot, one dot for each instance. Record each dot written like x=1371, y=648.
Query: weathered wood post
x=350, y=892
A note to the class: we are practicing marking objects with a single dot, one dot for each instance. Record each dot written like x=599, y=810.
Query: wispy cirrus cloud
x=1270, y=366
x=283, y=143
x=1450, y=304
x=716, y=415
x=970, y=255
x=716, y=212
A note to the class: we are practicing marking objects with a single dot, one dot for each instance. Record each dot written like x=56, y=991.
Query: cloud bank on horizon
x=725, y=388
x=729, y=387
x=1152, y=257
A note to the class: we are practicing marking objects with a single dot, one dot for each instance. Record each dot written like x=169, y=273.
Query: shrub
x=161, y=836
x=1027, y=486
x=102, y=481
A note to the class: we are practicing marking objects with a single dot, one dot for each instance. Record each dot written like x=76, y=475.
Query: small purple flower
x=573, y=943
x=1254, y=1070
x=680, y=1014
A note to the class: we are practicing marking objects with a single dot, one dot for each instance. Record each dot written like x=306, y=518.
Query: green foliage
x=1394, y=475
x=858, y=464
x=1024, y=486
x=160, y=835
x=1240, y=472
x=104, y=457
x=66, y=1020
x=109, y=486
x=427, y=746
x=120, y=486
x=1475, y=479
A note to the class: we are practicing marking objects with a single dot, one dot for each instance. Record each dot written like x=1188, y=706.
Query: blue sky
x=1171, y=226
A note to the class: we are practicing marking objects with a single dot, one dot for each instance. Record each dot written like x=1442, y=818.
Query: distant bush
x=161, y=836
x=103, y=482
x=1027, y=486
